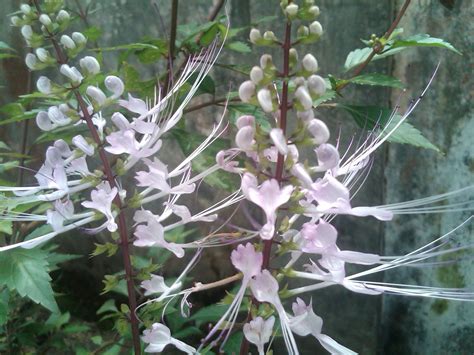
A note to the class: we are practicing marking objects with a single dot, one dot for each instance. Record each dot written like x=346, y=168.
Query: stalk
x=122, y=225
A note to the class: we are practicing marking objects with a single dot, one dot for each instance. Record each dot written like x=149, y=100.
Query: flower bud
x=319, y=131
x=314, y=11
x=43, y=121
x=246, y=91
x=80, y=142
x=244, y=138
x=303, y=31
x=256, y=75
x=310, y=64
x=298, y=81
x=45, y=20
x=62, y=16
x=42, y=54
x=26, y=32
x=269, y=36
x=316, y=29
x=72, y=73
x=255, y=36
x=67, y=42
x=79, y=38
x=302, y=175
x=305, y=116
x=31, y=61
x=293, y=57
x=120, y=121
x=316, y=85
x=57, y=116
x=328, y=156
x=264, y=97
x=63, y=147
x=266, y=62
x=26, y=9
x=90, y=65
x=246, y=120
x=115, y=85
x=304, y=98
x=291, y=11
x=44, y=85
x=279, y=140
x=96, y=95
x=15, y=21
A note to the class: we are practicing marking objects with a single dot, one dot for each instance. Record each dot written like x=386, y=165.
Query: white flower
x=264, y=97
x=80, y=142
x=71, y=73
x=258, y=331
x=319, y=131
x=256, y=75
x=156, y=284
x=79, y=38
x=304, y=98
x=67, y=42
x=316, y=85
x=45, y=20
x=159, y=336
x=255, y=35
x=310, y=64
x=246, y=91
x=279, y=140
x=90, y=65
x=101, y=200
x=44, y=85
x=115, y=85
x=316, y=29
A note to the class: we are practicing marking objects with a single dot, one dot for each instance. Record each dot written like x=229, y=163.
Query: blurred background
x=366, y=324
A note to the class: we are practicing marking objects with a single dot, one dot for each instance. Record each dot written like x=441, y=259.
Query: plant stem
x=378, y=49
x=172, y=46
x=122, y=226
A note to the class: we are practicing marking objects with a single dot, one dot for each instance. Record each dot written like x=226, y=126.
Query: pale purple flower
x=258, y=331
x=159, y=336
x=269, y=196
x=156, y=284
x=101, y=200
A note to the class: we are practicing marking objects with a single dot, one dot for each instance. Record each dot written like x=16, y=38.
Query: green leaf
x=108, y=306
x=207, y=85
x=377, y=79
x=209, y=314
x=423, y=40
x=4, y=46
x=92, y=33
x=26, y=271
x=327, y=96
x=238, y=46
x=359, y=56
x=189, y=141
x=369, y=117
x=232, y=346
x=240, y=109
x=4, y=298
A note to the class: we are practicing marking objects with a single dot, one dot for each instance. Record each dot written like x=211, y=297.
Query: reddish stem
x=122, y=225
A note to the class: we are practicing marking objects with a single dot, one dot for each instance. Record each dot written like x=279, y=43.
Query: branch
x=172, y=46
x=378, y=48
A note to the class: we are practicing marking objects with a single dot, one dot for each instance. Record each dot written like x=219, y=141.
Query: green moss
x=439, y=306
x=450, y=276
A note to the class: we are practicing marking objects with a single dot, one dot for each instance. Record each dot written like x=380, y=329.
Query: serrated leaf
x=377, y=79
x=360, y=55
x=108, y=306
x=327, y=96
x=368, y=117
x=93, y=33
x=238, y=46
x=232, y=346
x=423, y=40
x=26, y=271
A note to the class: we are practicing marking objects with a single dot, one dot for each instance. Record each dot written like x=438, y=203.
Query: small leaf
x=368, y=117
x=240, y=47
x=327, y=96
x=377, y=79
x=423, y=40
x=26, y=271
x=93, y=33
x=108, y=306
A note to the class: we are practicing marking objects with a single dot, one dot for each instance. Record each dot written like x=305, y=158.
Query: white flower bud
x=26, y=9
x=62, y=16
x=302, y=175
x=53, y=157
x=42, y=54
x=303, y=31
x=256, y=75
x=120, y=121
x=255, y=35
x=96, y=95
x=245, y=120
x=293, y=55
x=328, y=156
x=64, y=108
x=43, y=121
x=316, y=29
x=45, y=20
x=115, y=85
x=31, y=61
x=291, y=10
x=310, y=63
x=44, y=85
x=319, y=131
x=264, y=97
x=316, y=85
x=269, y=36
x=79, y=38
x=279, y=140
x=80, y=142
x=67, y=42
x=244, y=138
x=304, y=98
x=26, y=32
x=314, y=11
x=90, y=65
x=72, y=73
x=266, y=61
x=305, y=116
x=15, y=21
x=246, y=91
x=56, y=116
x=298, y=81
